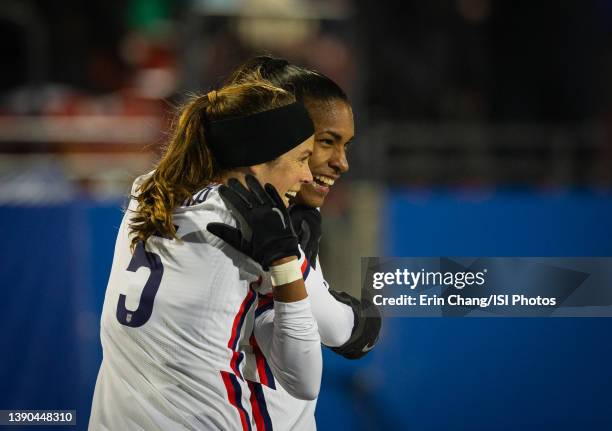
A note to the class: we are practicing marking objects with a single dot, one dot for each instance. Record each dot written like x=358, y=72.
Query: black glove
x=366, y=329
x=307, y=224
x=266, y=233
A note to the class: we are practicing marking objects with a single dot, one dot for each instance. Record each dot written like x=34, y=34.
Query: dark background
x=483, y=129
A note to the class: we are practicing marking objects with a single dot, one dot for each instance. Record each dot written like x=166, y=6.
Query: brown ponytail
x=188, y=164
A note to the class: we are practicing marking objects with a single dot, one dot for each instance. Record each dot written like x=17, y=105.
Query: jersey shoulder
x=193, y=214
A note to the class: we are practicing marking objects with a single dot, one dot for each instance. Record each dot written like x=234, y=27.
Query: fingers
x=256, y=189
x=253, y=195
x=235, y=201
x=241, y=192
x=275, y=197
x=227, y=233
x=261, y=236
x=300, y=211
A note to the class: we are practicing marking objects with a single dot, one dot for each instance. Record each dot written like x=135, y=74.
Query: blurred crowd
x=444, y=91
x=97, y=83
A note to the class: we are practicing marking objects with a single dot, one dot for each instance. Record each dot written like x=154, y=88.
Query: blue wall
x=493, y=373
x=426, y=374
x=54, y=268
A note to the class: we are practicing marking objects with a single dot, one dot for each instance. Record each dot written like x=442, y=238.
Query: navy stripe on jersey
x=264, y=303
x=235, y=362
x=305, y=269
x=234, y=395
x=198, y=197
x=263, y=369
x=259, y=407
x=270, y=382
x=239, y=319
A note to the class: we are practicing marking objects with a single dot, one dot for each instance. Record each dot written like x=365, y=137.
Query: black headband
x=259, y=138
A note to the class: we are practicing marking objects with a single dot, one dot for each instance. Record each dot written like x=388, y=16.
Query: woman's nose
x=306, y=176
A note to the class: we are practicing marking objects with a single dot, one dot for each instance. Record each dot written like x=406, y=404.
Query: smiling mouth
x=324, y=181
x=290, y=194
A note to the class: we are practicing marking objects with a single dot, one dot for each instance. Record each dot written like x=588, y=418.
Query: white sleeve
x=289, y=339
x=334, y=319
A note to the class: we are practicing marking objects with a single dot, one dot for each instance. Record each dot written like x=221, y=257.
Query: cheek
x=276, y=181
x=265, y=175
x=319, y=158
x=292, y=175
x=280, y=176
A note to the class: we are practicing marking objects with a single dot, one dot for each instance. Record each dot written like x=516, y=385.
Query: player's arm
x=348, y=325
x=334, y=318
x=288, y=337
x=291, y=340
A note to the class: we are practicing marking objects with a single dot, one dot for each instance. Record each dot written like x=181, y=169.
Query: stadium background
x=483, y=129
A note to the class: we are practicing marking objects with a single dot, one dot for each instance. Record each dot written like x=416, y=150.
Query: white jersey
x=279, y=409
x=178, y=331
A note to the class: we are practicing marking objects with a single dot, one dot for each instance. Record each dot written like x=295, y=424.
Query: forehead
x=304, y=148
x=335, y=115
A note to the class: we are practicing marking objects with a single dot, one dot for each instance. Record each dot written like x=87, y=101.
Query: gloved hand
x=307, y=224
x=265, y=233
x=366, y=330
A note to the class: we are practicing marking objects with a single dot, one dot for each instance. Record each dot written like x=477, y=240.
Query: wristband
x=285, y=273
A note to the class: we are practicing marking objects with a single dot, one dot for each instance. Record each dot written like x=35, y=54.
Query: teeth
x=325, y=180
x=290, y=194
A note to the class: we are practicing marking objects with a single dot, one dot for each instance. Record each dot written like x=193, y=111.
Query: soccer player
x=183, y=290
x=348, y=325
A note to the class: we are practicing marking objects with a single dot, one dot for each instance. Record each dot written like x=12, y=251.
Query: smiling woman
x=180, y=339
x=331, y=113
x=289, y=172
x=334, y=132
x=223, y=134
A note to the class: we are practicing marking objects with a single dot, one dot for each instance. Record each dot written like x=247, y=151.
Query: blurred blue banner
x=426, y=374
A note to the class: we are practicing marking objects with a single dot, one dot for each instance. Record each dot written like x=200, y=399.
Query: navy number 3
x=141, y=315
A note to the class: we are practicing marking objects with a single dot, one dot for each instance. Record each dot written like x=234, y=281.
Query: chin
x=309, y=198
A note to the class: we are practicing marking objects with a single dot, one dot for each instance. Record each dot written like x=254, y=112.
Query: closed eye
x=305, y=157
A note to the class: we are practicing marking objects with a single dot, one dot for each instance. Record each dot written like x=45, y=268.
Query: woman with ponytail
x=181, y=344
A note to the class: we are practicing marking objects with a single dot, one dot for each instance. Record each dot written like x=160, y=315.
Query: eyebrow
x=337, y=136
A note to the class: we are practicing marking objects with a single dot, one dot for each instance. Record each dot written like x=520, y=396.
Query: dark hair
x=188, y=164
x=305, y=84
